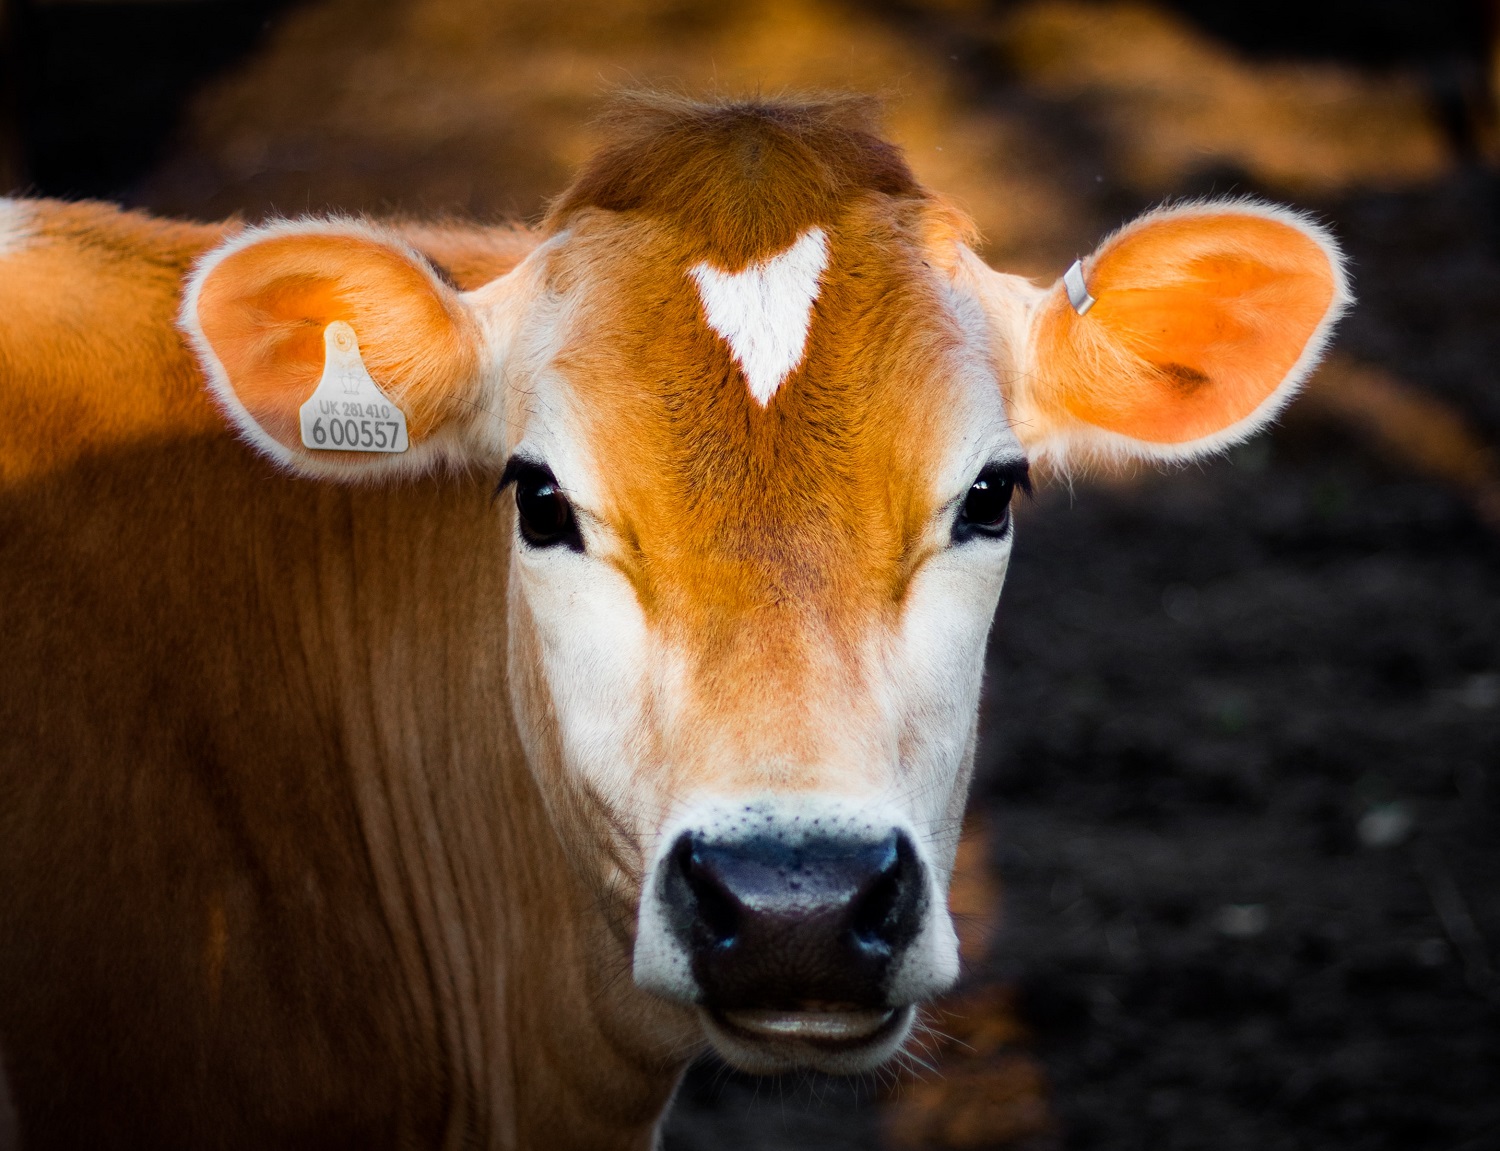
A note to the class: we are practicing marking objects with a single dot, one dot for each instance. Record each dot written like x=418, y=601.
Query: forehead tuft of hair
x=741, y=179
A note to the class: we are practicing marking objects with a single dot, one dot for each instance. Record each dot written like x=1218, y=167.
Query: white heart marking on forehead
x=764, y=312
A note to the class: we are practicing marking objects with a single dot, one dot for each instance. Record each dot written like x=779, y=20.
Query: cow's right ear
x=336, y=349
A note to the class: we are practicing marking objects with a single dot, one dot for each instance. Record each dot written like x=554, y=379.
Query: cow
x=454, y=675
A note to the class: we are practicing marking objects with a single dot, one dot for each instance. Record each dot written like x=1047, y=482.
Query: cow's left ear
x=1185, y=332
x=336, y=349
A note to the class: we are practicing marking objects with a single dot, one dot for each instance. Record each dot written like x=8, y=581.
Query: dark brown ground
x=1241, y=759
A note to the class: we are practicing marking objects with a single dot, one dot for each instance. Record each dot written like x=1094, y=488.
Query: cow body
x=343, y=802
x=260, y=887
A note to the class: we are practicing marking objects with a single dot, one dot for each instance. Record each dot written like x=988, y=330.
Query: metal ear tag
x=1078, y=292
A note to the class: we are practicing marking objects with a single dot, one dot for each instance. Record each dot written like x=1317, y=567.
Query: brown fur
x=273, y=869
x=738, y=179
x=239, y=816
x=758, y=535
x=767, y=542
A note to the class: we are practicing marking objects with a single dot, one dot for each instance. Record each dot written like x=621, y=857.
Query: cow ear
x=1185, y=332
x=335, y=349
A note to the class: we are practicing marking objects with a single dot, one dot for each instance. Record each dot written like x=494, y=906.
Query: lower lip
x=821, y=1027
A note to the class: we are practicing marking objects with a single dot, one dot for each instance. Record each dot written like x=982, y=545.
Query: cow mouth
x=772, y=1041
x=829, y=1029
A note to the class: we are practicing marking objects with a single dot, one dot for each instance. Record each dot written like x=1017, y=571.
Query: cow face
x=759, y=438
x=758, y=550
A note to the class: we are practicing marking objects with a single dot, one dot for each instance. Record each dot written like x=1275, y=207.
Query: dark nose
x=815, y=924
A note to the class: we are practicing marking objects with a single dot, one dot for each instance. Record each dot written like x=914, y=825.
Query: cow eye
x=543, y=513
x=986, y=507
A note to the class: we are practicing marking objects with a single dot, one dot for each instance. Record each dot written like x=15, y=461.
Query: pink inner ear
x=263, y=310
x=1200, y=318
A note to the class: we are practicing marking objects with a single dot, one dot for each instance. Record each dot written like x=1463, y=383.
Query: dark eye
x=543, y=513
x=986, y=508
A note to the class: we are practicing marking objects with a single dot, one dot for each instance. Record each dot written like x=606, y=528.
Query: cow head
x=760, y=413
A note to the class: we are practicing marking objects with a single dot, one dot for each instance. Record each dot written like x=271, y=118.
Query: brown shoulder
x=89, y=352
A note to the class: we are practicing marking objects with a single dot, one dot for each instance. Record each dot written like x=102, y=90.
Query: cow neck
x=546, y=1044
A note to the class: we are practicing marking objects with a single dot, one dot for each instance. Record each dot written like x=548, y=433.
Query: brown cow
x=345, y=804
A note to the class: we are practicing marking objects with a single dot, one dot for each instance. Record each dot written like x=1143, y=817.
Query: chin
x=837, y=1042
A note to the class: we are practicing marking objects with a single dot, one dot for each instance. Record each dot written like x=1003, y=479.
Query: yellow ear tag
x=348, y=412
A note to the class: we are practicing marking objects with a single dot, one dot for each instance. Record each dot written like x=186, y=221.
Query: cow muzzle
x=804, y=940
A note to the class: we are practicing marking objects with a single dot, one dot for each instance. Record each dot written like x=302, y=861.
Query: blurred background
x=1232, y=875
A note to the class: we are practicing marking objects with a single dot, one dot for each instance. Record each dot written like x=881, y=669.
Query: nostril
x=717, y=911
x=876, y=904
x=887, y=910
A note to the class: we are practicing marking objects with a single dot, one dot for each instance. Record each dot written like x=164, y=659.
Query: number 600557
x=355, y=434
